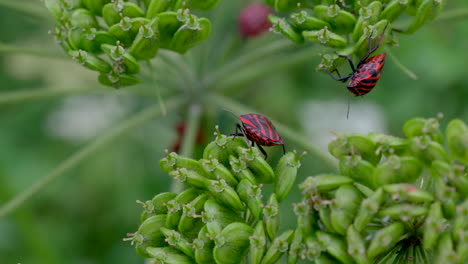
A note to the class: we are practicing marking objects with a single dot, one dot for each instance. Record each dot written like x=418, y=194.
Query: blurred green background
x=83, y=216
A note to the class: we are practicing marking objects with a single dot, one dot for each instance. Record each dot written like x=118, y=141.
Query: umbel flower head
x=111, y=37
x=393, y=200
x=346, y=25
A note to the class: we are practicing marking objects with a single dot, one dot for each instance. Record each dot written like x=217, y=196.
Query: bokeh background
x=82, y=217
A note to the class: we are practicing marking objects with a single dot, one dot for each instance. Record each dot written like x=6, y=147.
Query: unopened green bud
x=173, y=161
x=241, y=172
x=204, y=247
x=168, y=255
x=271, y=216
x=280, y=25
x=342, y=21
x=114, y=12
x=157, y=205
x=191, y=178
x=157, y=6
x=174, y=206
x=252, y=196
x=396, y=170
x=95, y=6
x=190, y=34
x=167, y=27
x=423, y=127
x=286, y=173
x=218, y=171
x=148, y=235
x=345, y=206
x=393, y=10
x=91, y=40
x=356, y=246
x=324, y=182
x=433, y=225
x=385, y=239
x=177, y=240
x=190, y=221
x=127, y=29
x=258, y=242
x=460, y=223
x=374, y=31
x=286, y=5
x=403, y=212
x=388, y=145
x=117, y=80
x=360, y=170
x=225, y=194
x=354, y=145
x=427, y=10
x=326, y=38
x=306, y=220
x=255, y=162
x=83, y=18
x=444, y=250
x=295, y=247
x=335, y=246
x=368, y=209
x=146, y=43
x=325, y=219
x=428, y=151
x=236, y=241
x=218, y=216
x=303, y=21
x=407, y=192
x=278, y=247
x=223, y=147
x=90, y=61
x=457, y=139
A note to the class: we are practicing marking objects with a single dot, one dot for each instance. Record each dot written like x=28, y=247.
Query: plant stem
x=299, y=139
x=85, y=152
x=29, y=9
x=452, y=14
x=247, y=59
x=16, y=97
x=264, y=68
x=188, y=142
x=12, y=49
x=402, y=67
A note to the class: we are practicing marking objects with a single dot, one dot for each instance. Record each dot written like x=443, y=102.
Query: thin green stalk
x=188, y=141
x=158, y=89
x=452, y=14
x=16, y=97
x=85, y=152
x=284, y=130
x=265, y=68
x=247, y=59
x=183, y=71
x=32, y=10
x=13, y=49
x=402, y=67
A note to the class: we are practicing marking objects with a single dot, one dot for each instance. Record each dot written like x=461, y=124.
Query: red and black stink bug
x=259, y=129
x=367, y=72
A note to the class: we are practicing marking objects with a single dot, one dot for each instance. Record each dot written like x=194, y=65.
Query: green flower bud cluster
x=112, y=36
x=347, y=25
x=394, y=200
x=222, y=216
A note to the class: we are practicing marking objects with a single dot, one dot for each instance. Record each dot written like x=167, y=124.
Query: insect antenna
x=349, y=103
x=229, y=111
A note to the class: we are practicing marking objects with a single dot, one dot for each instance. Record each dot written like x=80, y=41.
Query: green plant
x=216, y=71
x=394, y=200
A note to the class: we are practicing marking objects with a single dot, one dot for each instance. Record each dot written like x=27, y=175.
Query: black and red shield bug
x=260, y=130
x=367, y=72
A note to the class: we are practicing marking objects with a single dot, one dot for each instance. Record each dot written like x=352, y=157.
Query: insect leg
x=262, y=150
x=238, y=127
x=372, y=49
x=341, y=79
x=284, y=149
x=349, y=60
